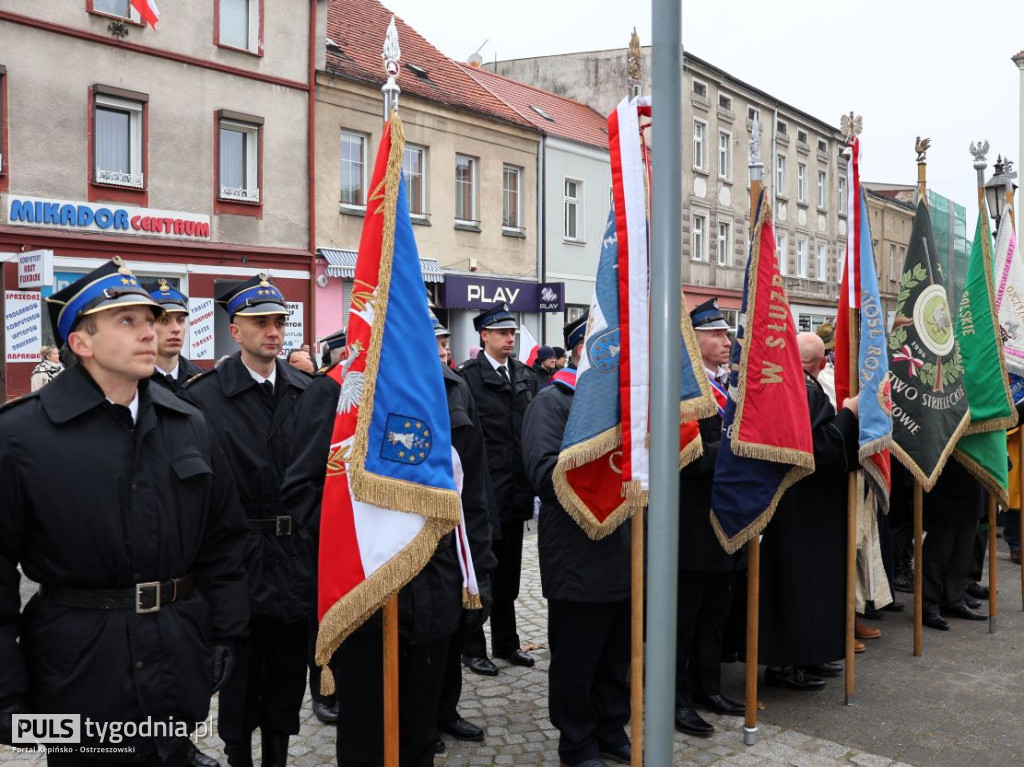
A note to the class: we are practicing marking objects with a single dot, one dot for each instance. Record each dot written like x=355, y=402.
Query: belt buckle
x=141, y=592
x=283, y=525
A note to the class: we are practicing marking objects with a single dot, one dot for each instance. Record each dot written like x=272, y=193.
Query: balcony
x=119, y=178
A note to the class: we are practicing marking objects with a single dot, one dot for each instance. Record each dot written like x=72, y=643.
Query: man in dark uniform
x=586, y=583
x=502, y=388
x=334, y=349
x=803, y=552
x=173, y=369
x=706, y=572
x=250, y=400
x=136, y=537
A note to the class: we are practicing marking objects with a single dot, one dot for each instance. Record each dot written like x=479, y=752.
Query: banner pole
x=391, y=682
x=636, y=666
x=853, y=499
x=993, y=608
x=1020, y=503
x=918, y=574
x=754, y=546
x=666, y=258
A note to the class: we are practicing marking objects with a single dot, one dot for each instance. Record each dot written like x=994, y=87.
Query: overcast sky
x=940, y=69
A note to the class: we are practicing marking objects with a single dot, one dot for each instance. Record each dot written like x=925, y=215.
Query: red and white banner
x=148, y=11
x=528, y=347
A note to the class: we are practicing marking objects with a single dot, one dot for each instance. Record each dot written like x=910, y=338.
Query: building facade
x=891, y=218
x=184, y=150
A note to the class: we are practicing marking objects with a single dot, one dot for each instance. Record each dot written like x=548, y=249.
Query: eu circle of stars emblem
x=407, y=440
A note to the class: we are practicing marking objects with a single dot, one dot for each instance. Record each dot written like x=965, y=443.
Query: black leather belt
x=143, y=597
x=274, y=526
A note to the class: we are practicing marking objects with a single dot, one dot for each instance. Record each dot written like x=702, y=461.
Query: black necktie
x=503, y=373
x=268, y=391
x=171, y=381
x=123, y=416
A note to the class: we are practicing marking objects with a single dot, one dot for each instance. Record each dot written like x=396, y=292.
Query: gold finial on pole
x=635, y=65
x=391, y=54
x=921, y=146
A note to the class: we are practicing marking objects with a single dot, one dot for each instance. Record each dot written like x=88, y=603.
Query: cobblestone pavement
x=958, y=705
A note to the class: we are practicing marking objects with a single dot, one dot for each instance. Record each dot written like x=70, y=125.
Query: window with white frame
x=724, y=154
x=801, y=258
x=801, y=137
x=117, y=141
x=822, y=186
x=239, y=161
x=724, y=243
x=699, y=250
x=822, y=147
x=752, y=112
x=780, y=175
x=465, y=189
x=239, y=24
x=414, y=166
x=353, y=170
x=512, y=198
x=572, y=211
x=700, y=160
x=122, y=9
x=842, y=194
x=801, y=182
x=781, y=252
x=822, y=264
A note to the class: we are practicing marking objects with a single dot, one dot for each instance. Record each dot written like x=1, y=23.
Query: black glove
x=8, y=709
x=475, y=619
x=223, y=664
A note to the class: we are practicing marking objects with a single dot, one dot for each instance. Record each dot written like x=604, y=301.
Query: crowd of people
x=176, y=549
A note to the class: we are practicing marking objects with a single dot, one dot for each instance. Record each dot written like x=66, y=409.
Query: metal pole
x=666, y=254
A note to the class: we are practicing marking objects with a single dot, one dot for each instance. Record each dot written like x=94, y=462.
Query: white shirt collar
x=174, y=371
x=133, y=406
x=495, y=364
x=260, y=379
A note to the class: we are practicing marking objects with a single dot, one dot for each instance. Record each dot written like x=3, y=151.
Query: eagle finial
x=921, y=146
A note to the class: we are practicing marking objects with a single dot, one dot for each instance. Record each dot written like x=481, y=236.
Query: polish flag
x=528, y=347
x=148, y=10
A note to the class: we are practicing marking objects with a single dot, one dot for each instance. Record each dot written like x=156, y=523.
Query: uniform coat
x=803, y=552
x=87, y=504
x=186, y=370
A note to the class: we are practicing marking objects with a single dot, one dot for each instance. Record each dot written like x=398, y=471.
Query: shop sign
x=76, y=216
x=460, y=292
x=35, y=269
x=294, y=328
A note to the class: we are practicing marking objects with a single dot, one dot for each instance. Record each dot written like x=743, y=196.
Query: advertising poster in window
x=294, y=328
x=23, y=326
x=200, y=328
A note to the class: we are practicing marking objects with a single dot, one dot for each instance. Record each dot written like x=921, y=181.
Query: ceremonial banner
x=766, y=435
x=1009, y=273
x=929, y=402
x=859, y=290
x=148, y=11
x=983, y=450
x=528, y=347
x=390, y=493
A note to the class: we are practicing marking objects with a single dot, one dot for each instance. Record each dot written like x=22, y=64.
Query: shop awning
x=342, y=263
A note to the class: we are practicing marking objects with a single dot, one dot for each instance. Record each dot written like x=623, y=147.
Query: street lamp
x=1000, y=188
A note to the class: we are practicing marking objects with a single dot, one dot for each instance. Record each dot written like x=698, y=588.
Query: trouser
x=947, y=560
x=505, y=585
x=177, y=759
x=1011, y=530
x=360, y=735
x=588, y=680
x=266, y=688
x=314, y=670
x=978, y=551
x=451, y=687
x=703, y=602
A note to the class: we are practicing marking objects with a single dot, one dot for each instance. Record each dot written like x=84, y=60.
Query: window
x=512, y=198
x=801, y=137
x=893, y=266
x=842, y=195
x=353, y=170
x=724, y=155
x=821, y=189
x=781, y=128
x=822, y=265
x=465, y=189
x=780, y=175
x=239, y=24
x=725, y=102
x=700, y=238
x=752, y=112
x=118, y=152
x=781, y=252
x=238, y=166
x=724, y=243
x=822, y=147
x=801, y=182
x=572, y=223
x=700, y=89
x=122, y=9
x=414, y=166
x=801, y=258
x=699, y=158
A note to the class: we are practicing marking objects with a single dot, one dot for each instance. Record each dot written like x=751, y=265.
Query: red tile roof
x=569, y=119
x=358, y=27
x=1018, y=57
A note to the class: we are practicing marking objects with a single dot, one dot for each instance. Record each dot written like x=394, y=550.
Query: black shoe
x=439, y=746
x=239, y=754
x=894, y=607
x=518, y=658
x=961, y=610
x=275, y=748
x=461, y=729
x=621, y=754
x=792, y=678
x=905, y=582
x=326, y=712
x=871, y=614
x=934, y=621
x=722, y=705
x=971, y=602
x=690, y=722
x=977, y=591
x=482, y=666
x=824, y=669
x=196, y=758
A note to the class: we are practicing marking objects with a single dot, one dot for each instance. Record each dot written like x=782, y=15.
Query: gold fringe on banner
x=471, y=601
x=704, y=405
x=976, y=470
x=757, y=526
x=928, y=482
x=604, y=445
x=327, y=685
x=692, y=451
x=877, y=481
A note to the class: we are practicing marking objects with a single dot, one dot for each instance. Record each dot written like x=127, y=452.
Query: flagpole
x=921, y=147
x=392, y=55
x=634, y=68
x=754, y=546
x=1020, y=502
